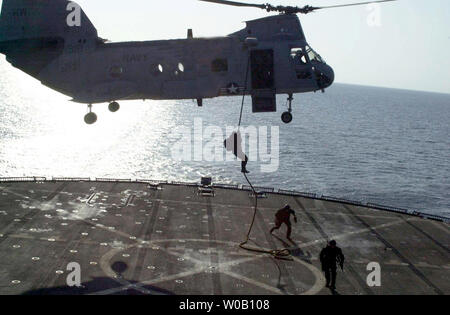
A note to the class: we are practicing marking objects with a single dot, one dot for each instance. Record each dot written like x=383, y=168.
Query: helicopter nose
x=328, y=73
x=325, y=75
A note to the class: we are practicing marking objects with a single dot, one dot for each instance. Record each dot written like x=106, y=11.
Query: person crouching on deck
x=283, y=216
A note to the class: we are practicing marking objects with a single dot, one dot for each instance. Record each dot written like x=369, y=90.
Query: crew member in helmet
x=283, y=216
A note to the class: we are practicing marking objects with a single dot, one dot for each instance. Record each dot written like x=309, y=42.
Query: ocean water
x=370, y=144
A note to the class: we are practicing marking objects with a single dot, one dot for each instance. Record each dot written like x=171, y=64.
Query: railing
x=297, y=193
x=184, y=184
x=391, y=209
x=434, y=217
x=112, y=180
x=343, y=200
x=21, y=179
x=228, y=186
x=259, y=189
x=71, y=179
x=152, y=181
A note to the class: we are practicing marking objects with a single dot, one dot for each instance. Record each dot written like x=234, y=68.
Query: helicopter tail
x=34, y=32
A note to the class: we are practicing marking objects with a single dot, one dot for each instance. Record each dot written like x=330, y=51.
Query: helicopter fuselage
x=91, y=71
x=269, y=56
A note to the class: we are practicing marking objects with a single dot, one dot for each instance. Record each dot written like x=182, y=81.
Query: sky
x=408, y=49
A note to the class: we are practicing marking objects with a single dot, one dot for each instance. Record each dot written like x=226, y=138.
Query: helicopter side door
x=263, y=80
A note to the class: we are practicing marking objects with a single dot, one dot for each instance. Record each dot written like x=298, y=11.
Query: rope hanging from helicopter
x=286, y=10
x=276, y=253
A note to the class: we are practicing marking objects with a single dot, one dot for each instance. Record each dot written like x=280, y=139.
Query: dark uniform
x=283, y=216
x=329, y=257
x=234, y=144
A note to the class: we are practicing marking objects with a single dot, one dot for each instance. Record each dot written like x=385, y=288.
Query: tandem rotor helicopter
x=56, y=43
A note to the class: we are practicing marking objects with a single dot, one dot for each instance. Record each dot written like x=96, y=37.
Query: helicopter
x=55, y=42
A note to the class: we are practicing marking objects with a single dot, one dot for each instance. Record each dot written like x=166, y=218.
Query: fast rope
x=277, y=253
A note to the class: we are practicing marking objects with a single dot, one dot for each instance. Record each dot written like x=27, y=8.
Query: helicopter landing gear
x=114, y=107
x=90, y=118
x=287, y=116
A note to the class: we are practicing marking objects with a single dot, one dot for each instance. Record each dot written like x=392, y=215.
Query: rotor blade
x=288, y=9
x=237, y=4
x=353, y=4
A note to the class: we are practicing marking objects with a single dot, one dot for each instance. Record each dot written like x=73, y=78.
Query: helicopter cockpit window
x=313, y=56
x=298, y=55
x=219, y=65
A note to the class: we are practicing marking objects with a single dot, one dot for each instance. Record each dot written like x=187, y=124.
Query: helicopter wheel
x=286, y=117
x=90, y=118
x=114, y=107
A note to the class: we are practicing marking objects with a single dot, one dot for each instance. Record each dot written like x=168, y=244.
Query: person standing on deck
x=329, y=257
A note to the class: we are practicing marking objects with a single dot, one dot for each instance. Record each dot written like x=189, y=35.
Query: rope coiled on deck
x=277, y=253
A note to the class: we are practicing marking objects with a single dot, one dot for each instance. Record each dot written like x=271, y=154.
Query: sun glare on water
x=44, y=132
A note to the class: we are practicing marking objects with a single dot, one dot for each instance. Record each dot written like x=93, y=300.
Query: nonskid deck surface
x=130, y=238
